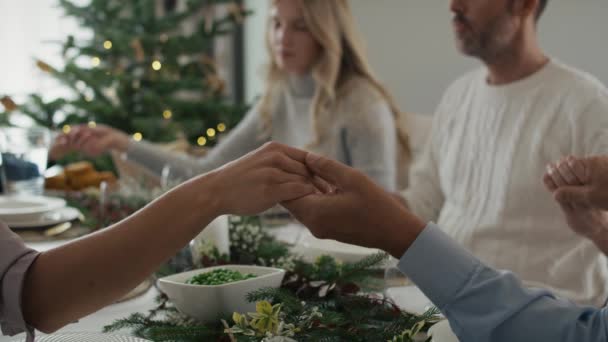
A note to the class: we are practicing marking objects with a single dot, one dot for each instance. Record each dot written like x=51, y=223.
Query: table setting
x=262, y=278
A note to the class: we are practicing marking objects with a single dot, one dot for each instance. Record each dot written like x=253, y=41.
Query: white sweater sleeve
x=245, y=137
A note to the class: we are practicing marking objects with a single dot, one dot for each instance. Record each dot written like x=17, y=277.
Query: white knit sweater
x=480, y=176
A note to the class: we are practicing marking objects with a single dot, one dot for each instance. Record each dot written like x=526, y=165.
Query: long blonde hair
x=332, y=25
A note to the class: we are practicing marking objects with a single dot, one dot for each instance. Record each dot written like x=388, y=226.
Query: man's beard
x=491, y=42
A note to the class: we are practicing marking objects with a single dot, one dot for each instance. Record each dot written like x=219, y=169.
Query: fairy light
x=92, y=124
x=167, y=114
x=137, y=136
x=66, y=129
x=211, y=132
x=221, y=127
x=201, y=141
x=156, y=65
x=107, y=45
x=95, y=61
x=88, y=98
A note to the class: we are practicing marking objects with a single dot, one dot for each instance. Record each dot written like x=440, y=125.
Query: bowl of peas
x=210, y=293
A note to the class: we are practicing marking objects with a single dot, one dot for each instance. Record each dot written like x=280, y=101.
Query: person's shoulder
x=358, y=94
x=576, y=83
x=356, y=88
x=583, y=97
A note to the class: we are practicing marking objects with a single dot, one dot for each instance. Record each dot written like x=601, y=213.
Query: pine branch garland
x=312, y=304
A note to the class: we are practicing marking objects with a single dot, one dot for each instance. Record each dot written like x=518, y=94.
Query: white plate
x=409, y=298
x=46, y=219
x=310, y=248
x=19, y=207
x=442, y=332
x=85, y=337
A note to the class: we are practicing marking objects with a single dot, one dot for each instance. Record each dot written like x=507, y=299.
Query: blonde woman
x=320, y=95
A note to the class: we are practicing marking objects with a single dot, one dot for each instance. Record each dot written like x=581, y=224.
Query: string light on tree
x=149, y=73
x=92, y=124
x=66, y=129
x=221, y=127
x=156, y=65
x=211, y=132
x=137, y=136
x=201, y=141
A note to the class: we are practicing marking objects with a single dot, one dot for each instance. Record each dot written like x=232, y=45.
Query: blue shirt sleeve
x=483, y=304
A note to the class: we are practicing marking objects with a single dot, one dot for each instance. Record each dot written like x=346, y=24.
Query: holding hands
x=351, y=208
x=580, y=186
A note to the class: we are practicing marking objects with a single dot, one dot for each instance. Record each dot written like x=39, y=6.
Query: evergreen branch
x=353, y=270
x=289, y=300
x=177, y=333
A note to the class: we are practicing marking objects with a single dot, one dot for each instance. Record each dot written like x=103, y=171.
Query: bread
x=78, y=169
x=58, y=182
x=79, y=176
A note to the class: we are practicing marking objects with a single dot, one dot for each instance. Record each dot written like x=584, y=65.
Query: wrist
x=121, y=142
x=403, y=231
x=207, y=195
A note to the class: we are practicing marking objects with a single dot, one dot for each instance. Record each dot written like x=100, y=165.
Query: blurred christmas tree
x=142, y=71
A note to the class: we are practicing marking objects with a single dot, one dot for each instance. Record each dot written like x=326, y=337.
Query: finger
x=549, y=183
x=81, y=138
x=578, y=195
x=92, y=148
x=61, y=140
x=293, y=190
x=291, y=152
x=301, y=208
x=322, y=185
x=555, y=176
x=285, y=177
x=567, y=174
x=287, y=164
x=330, y=170
x=578, y=168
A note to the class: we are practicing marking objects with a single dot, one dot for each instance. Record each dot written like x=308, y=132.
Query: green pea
x=218, y=277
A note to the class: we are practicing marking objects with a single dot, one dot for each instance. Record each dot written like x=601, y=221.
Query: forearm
x=154, y=158
x=81, y=277
x=241, y=140
x=483, y=304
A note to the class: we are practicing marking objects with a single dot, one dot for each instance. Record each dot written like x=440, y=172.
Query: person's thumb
x=328, y=169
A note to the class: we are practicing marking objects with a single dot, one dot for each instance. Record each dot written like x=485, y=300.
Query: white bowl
x=207, y=303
